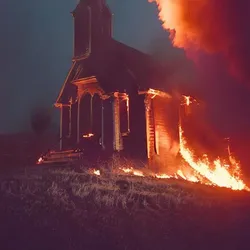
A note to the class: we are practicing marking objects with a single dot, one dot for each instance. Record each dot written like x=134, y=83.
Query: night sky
x=36, y=50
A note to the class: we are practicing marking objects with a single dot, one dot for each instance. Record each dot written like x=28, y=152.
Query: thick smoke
x=212, y=26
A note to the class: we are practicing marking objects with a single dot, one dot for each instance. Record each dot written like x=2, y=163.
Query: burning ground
x=55, y=208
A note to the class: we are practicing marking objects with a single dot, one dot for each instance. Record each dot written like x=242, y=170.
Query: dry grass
x=68, y=188
x=119, y=210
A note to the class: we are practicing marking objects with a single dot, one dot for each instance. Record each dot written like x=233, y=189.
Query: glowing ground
x=45, y=208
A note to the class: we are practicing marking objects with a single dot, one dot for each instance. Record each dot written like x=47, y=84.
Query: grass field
x=65, y=208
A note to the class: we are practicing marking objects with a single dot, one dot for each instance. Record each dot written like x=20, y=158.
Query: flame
x=187, y=100
x=163, y=176
x=40, y=160
x=155, y=93
x=178, y=175
x=171, y=14
x=88, y=135
x=132, y=171
x=210, y=26
x=217, y=172
x=97, y=172
x=191, y=25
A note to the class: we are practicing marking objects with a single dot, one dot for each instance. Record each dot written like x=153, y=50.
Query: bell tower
x=92, y=26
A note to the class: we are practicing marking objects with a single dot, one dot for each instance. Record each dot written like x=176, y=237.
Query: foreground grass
x=48, y=208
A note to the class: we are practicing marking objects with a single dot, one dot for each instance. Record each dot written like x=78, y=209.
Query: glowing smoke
x=213, y=26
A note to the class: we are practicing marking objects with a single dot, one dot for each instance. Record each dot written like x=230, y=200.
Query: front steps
x=61, y=158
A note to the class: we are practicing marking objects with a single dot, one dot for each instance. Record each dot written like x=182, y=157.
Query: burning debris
x=95, y=172
x=132, y=171
x=40, y=160
x=89, y=135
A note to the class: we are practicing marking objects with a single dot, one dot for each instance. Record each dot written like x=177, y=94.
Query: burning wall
x=176, y=156
x=162, y=131
x=213, y=27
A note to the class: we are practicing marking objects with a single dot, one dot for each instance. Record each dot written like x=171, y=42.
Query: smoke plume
x=211, y=26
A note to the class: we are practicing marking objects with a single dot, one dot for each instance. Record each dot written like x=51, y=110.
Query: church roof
x=117, y=67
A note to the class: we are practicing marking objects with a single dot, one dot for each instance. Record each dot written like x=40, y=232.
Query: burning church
x=109, y=100
x=112, y=101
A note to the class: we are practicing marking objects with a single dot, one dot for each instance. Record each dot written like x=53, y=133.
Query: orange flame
x=88, y=135
x=189, y=27
x=163, y=176
x=187, y=99
x=40, y=160
x=217, y=171
x=171, y=14
x=132, y=171
x=97, y=172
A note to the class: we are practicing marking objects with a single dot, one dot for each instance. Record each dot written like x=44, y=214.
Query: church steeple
x=92, y=23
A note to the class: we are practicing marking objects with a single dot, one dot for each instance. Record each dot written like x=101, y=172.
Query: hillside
x=55, y=208
x=23, y=149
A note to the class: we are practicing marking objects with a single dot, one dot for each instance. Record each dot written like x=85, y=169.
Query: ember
x=40, y=160
x=95, y=172
x=132, y=171
x=88, y=135
x=187, y=99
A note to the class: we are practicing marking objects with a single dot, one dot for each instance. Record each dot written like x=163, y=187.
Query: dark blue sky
x=36, y=50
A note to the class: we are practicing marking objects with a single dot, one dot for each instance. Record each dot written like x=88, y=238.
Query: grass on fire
x=75, y=189
x=67, y=208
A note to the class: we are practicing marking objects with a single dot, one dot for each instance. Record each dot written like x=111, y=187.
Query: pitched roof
x=117, y=67
x=148, y=72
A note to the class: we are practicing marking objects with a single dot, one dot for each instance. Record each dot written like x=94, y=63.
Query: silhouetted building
x=109, y=100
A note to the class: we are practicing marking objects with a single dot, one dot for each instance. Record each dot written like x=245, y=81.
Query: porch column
x=117, y=139
x=102, y=138
x=78, y=117
x=70, y=120
x=150, y=130
x=61, y=126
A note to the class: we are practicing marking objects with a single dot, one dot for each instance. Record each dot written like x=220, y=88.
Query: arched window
x=124, y=114
x=85, y=115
